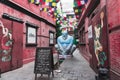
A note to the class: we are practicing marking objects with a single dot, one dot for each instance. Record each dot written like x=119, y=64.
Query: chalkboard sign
x=43, y=61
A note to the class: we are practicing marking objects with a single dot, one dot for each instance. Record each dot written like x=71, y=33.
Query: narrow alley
x=85, y=33
x=75, y=68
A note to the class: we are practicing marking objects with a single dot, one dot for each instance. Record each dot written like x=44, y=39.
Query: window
x=31, y=35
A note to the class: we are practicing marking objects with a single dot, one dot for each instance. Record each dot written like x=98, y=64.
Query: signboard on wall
x=43, y=61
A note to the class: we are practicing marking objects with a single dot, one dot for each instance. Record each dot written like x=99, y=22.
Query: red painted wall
x=113, y=18
x=114, y=37
x=113, y=13
x=43, y=28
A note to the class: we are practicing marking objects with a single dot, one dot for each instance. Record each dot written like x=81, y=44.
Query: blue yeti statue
x=65, y=44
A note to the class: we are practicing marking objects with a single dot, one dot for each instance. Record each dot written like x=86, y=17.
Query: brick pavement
x=76, y=68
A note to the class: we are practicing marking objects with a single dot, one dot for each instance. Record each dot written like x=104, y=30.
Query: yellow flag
x=54, y=4
x=45, y=9
x=70, y=17
x=76, y=11
x=55, y=14
x=47, y=1
x=32, y=1
x=51, y=0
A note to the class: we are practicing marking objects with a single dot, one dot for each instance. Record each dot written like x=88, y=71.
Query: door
x=17, y=54
x=11, y=39
x=5, y=45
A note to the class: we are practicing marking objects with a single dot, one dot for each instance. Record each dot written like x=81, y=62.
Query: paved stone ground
x=75, y=68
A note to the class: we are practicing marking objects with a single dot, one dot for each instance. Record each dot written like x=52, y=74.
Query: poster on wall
x=31, y=38
x=31, y=35
x=90, y=31
x=51, y=39
x=100, y=39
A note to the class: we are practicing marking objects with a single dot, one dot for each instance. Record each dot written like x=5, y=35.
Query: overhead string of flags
x=79, y=6
x=51, y=9
x=45, y=2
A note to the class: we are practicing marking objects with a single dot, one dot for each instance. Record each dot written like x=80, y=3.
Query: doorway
x=11, y=45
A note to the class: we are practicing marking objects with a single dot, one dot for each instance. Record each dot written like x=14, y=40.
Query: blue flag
x=86, y=1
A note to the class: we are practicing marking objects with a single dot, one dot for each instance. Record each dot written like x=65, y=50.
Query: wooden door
x=11, y=48
x=17, y=55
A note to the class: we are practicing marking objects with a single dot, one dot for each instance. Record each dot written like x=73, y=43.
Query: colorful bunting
x=78, y=9
x=51, y=4
x=44, y=9
x=42, y=2
x=86, y=1
x=82, y=2
x=77, y=16
x=31, y=1
x=37, y=1
x=54, y=4
x=77, y=3
x=47, y=1
x=54, y=1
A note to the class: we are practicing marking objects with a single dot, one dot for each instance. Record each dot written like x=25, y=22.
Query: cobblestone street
x=75, y=68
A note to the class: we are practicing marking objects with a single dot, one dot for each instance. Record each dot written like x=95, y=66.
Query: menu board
x=43, y=61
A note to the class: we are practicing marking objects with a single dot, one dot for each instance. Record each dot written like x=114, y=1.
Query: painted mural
x=6, y=44
x=98, y=47
x=99, y=40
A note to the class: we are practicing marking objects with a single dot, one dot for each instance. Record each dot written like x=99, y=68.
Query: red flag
x=79, y=3
x=42, y=1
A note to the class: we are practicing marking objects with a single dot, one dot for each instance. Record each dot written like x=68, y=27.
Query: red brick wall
x=114, y=37
x=114, y=50
x=114, y=54
x=114, y=76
